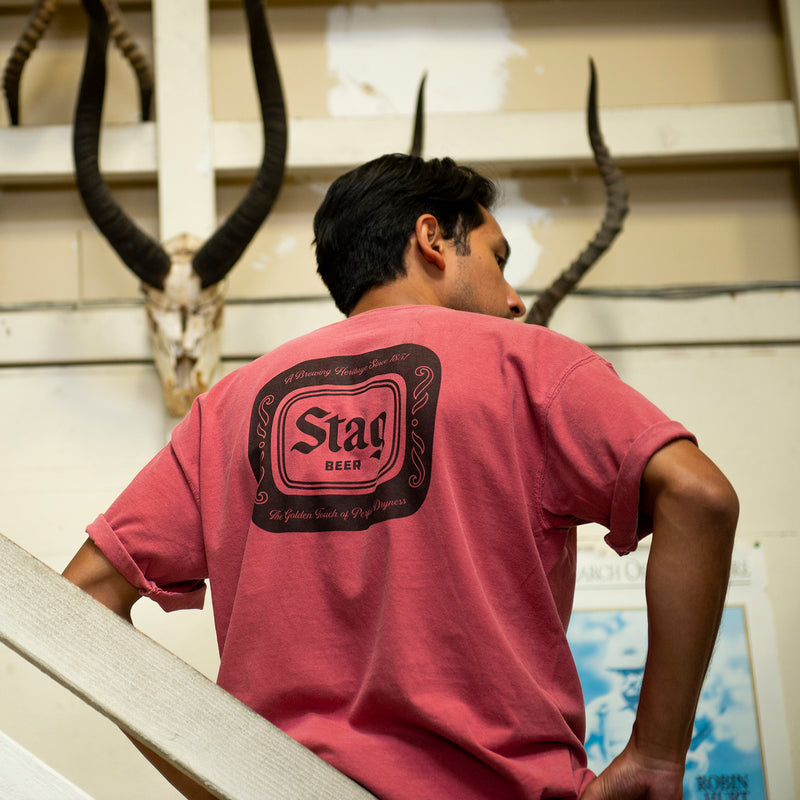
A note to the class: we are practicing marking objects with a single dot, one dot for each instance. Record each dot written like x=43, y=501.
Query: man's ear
x=430, y=241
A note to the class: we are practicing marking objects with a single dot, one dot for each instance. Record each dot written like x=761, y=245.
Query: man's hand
x=633, y=776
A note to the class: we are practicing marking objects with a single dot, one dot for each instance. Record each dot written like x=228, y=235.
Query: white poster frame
x=608, y=583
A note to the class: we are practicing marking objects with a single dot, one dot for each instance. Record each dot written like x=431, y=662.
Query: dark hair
x=368, y=215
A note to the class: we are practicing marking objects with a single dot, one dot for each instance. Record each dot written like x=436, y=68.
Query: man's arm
x=694, y=511
x=96, y=575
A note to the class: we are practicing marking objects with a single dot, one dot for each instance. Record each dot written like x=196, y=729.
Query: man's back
x=385, y=509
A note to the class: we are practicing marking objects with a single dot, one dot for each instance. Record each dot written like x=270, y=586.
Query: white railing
x=150, y=693
x=25, y=777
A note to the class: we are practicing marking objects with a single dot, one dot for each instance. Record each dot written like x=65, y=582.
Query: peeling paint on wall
x=378, y=54
x=286, y=244
x=261, y=262
x=518, y=218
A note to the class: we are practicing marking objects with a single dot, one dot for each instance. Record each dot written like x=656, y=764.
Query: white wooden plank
x=119, y=333
x=757, y=317
x=25, y=777
x=152, y=694
x=40, y=336
x=699, y=133
x=44, y=153
x=790, y=10
x=674, y=134
x=186, y=185
x=770, y=316
x=711, y=133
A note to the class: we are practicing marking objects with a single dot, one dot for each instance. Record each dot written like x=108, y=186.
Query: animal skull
x=185, y=324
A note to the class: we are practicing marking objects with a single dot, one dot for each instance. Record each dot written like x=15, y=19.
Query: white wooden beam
x=547, y=138
x=153, y=695
x=763, y=317
x=26, y=777
x=44, y=153
x=670, y=135
x=186, y=181
x=119, y=333
x=790, y=10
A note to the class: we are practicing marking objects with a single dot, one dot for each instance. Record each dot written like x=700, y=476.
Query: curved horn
x=140, y=253
x=616, y=209
x=135, y=56
x=419, y=120
x=39, y=19
x=216, y=257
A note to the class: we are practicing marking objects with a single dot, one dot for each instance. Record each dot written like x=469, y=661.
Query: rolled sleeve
x=627, y=525
x=153, y=532
x=171, y=597
x=601, y=434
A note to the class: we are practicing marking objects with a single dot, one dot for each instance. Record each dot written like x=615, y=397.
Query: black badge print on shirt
x=342, y=443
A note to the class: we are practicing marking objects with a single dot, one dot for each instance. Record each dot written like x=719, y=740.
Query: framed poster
x=738, y=749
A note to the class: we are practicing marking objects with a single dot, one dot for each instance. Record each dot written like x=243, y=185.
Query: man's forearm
x=694, y=511
x=694, y=517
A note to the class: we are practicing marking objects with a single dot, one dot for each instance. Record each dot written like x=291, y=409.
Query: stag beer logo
x=344, y=442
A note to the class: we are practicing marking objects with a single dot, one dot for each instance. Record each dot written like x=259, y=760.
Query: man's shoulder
x=449, y=332
x=529, y=336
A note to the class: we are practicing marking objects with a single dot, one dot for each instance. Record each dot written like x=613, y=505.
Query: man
x=386, y=512
x=610, y=717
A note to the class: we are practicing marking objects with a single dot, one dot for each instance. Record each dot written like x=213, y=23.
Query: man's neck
x=397, y=293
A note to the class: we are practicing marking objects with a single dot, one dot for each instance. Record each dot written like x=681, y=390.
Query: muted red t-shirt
x=385, y=510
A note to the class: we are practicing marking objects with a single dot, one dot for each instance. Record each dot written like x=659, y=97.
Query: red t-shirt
x=386, y=510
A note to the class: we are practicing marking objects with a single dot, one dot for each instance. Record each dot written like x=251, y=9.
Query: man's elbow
x=682, y=484
x=720, y=507
x=710, y=499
